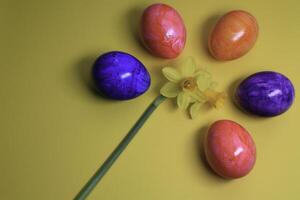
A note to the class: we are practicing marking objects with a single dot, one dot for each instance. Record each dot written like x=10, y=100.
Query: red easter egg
x=229, y=149
x=163, y=31
x=233, y=35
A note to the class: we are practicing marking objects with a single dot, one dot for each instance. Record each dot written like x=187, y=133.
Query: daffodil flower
x=191, y=86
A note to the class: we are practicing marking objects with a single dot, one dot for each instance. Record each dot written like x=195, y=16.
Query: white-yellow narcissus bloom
x=191, y=86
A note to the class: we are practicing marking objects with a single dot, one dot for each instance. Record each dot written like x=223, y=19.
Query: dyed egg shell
x=229, y=149
x=163, y=31
x=233, y=35
x=120, y=76
x=265, y=93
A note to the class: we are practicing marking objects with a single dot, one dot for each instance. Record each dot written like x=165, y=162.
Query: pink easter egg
x=163, y=31
x=229, y=149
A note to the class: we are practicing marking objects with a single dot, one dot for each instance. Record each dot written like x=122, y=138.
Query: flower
x=191, y=86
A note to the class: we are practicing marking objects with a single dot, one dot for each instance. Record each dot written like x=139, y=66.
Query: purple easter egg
x=265, y=93
x=120, y=76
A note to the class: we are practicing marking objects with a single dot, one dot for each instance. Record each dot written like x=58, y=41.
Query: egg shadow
x=134, y=22
x=205, y=30
x=231, y=91
x=84, y=68
x=199, y=145
x=231, y=94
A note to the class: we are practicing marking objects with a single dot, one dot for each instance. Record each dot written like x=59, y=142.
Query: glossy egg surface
x=233, y=36
x=265, y=93
x=229, y=149
x=163, y=31
x=120, y=76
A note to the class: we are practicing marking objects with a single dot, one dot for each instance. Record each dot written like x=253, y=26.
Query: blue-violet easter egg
x=120, y=76
x=265, y=93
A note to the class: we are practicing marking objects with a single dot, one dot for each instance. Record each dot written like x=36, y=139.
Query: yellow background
x=55, y=131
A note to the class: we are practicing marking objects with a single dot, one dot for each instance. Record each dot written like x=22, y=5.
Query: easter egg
x=265, y=93
x=229, y=149
x=233, y=35
x=120, y=76
x=163, y=31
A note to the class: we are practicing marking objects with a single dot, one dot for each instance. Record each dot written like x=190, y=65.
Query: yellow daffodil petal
x=219, y=104
x=204, y=73
x=194, y=109
x=220, y=100
x=188, y=68
x=192, y=99
x=170, y=90
x=214, y=98
x=172, y=74
x=183, y=100
x=213, y=85
x=198, y=96
x=203, y=83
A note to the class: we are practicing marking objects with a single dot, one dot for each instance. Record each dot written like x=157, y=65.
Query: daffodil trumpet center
x=216, y=99
x=188, y=84
x=211, y=95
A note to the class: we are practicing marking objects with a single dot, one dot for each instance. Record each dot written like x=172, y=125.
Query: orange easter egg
x=233, y=35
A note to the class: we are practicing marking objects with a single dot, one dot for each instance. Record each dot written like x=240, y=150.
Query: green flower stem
x=89, y=186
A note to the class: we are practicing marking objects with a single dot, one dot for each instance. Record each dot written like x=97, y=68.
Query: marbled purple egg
x=120, y=76
x=265, y=93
